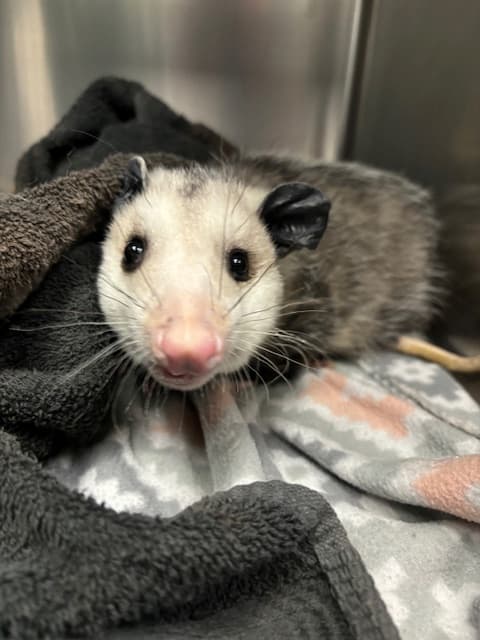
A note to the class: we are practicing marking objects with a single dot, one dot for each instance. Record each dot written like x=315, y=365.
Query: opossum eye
x=133, y=254
x=237, y=262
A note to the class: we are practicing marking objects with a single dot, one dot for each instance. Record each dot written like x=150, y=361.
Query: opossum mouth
x=183, y=382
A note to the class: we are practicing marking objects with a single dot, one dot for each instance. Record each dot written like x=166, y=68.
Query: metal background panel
x=269, y=74
x=419, y=108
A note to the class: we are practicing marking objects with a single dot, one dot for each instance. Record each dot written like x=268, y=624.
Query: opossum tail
x=432, y=353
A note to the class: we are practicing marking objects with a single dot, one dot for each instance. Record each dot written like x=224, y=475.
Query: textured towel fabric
x=266, y=560
x=39, y=224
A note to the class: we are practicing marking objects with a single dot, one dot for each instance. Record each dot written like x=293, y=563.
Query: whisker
x=279, y=316
x=141, y=269
x=101, y=274
x=91, y=135
x=64, y=326
x=290, y=336
x=279, y=305
x=210, y=285
x=102, y=354
x=251, y=394
x=57, y=311
x=279, y=374
x=255, y=283
x=110, y=282
x=263, y=358
x=257, y=374
x=224, y=233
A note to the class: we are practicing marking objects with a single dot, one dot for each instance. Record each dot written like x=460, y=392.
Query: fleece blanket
x=268, y=559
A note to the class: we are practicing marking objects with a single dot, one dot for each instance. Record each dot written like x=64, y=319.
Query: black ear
x=135, y=178
x=296, y=215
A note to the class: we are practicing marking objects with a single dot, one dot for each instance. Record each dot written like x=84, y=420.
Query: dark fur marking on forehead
x=191, y=187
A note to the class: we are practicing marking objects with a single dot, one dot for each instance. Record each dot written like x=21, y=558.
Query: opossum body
x=211, y=270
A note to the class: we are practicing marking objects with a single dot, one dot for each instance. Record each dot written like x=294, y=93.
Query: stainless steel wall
x=270, y=74
x=419, y=107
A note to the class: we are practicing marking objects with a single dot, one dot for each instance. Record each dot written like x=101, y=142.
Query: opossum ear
x=296, y=216
x=135, y=178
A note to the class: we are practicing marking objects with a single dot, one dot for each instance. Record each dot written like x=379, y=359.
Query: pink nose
x=187, y=349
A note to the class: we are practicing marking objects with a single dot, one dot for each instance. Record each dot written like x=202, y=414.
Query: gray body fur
x=374, y=275
x=459, y=213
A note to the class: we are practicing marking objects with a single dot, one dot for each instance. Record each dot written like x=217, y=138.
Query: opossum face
x=189, y=279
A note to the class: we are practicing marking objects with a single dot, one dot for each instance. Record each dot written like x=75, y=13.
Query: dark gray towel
x=113, y=116
x=268, y=560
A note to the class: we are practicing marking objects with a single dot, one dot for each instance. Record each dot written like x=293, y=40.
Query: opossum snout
x=186, y=347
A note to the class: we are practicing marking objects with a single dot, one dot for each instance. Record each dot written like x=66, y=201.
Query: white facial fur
x=190, y=221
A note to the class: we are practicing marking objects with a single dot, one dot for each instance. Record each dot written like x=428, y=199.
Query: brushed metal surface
x=419, y=111
x=269, y=74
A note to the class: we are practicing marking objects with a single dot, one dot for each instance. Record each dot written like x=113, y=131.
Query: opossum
x=256, y=265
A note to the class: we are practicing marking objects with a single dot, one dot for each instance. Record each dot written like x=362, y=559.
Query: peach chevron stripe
x=387, y=414
x=446, y=485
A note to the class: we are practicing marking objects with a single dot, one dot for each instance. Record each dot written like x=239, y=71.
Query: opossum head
x=189, y=279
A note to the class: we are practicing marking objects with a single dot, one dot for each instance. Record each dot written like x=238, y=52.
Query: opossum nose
x=188, y=349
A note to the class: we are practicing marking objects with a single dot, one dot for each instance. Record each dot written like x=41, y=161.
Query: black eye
x=133, y=254
x=237, y=262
